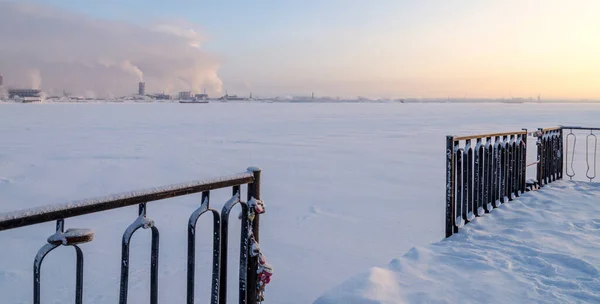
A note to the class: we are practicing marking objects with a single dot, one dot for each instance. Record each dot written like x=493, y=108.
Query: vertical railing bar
x=510, y=165
x=37, y=267
x=549, y=158
x=489, y=166
x=465, y=187
x=496, y=172
x=477, y=189
x=524, y=164
x=469, y=179
x=450, y=186
x=540, y=158
x=154, y=266
x=552, y=153
x=518, y=163
x=141, y=222
x=561, y=153
x=504, y=171
x=216, y=262
x=79, y=276
x=244, y=254
x=37, y=263
x=224, y=242
x=252, y=283
x=515, y=167
x=205, y=207
x=459, y=187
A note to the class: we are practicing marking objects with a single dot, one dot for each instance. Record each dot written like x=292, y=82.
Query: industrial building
x=12, y=93
x=142, y=88
x=185, y=95
x=201, y=96
x=1, y=80
x=161, y=96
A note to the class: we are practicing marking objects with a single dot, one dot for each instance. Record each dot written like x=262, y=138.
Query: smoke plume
x=88, y=56
x=36, y=79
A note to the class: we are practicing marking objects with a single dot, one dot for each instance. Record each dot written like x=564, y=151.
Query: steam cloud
x=36, y=79
x=94, y=57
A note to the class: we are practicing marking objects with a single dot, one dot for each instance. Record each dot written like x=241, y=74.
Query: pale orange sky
x=511, y=48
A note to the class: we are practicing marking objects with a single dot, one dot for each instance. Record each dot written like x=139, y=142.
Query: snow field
x=347, y=186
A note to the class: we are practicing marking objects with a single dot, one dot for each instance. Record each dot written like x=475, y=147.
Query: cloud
x=90, y=56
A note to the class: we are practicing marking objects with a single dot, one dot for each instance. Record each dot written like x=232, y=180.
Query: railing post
x=540, y=157
x=253, y=192
x=523, y=180
x=450, y=187
x=561, y=153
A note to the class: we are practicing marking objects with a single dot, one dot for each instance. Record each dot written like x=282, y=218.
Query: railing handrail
x=37, y=215
x=550, y=129
x=489, y=135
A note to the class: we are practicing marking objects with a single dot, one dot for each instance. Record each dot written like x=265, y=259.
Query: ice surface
x=349, y=186
x=540, y=248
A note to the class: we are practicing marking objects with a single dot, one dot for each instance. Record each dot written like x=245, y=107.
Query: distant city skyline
x=385, y=48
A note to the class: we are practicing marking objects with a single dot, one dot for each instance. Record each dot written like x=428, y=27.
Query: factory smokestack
x=142, y=88
x=1, y=80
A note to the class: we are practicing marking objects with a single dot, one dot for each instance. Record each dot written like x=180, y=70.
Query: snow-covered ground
x=541, y=248
x=347, y=186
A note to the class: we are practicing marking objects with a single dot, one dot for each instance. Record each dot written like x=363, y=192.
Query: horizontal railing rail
x=44, y=214
x=254, y=272
x=458, y=138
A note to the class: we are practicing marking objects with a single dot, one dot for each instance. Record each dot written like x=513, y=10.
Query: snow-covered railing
x=254, y=271
x=487, y=170
x=549, y=155
x=482, y=172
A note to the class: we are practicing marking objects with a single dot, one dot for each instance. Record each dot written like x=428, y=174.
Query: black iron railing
x=254, y=271
x=485, y=171
x=482, y=172
x=549, y=155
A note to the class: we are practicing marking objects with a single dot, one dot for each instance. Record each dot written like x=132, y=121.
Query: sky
x=348, y=48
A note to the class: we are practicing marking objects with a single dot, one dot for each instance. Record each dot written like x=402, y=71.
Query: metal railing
x=549, y=155
x=591, y=149
x=485, y=171
x=482, y=172
x=254, y=272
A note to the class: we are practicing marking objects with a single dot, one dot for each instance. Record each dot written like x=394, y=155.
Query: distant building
x=142, y=88
x=12, y=93
x=162, y=96
x=231, y=97
x=1, y=80
x=201, y=96
x=185, y=95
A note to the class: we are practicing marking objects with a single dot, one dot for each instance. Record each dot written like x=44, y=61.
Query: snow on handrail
x=489, y=135
x=48, y=213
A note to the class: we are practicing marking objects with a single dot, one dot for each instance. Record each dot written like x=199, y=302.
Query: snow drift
x=540, y=248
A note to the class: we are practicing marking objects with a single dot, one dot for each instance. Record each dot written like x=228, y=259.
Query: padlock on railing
x=257, y=205
x=264, y=272
x=254, y=248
